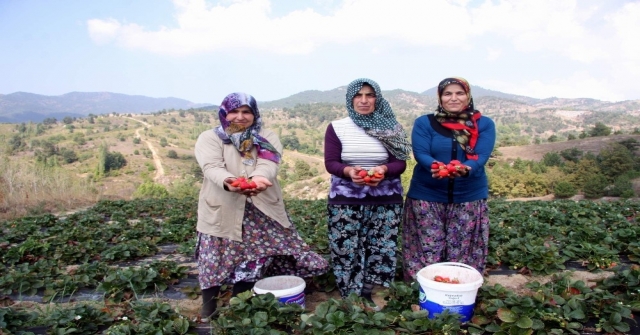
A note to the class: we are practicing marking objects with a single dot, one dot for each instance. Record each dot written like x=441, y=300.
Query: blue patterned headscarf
x=244, y=138
x=381, y=124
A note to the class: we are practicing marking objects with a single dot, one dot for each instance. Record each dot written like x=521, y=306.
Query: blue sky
x=202, y=50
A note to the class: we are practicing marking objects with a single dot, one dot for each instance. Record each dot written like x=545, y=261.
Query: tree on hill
x=595, y=186
x=108, y=161
x=552, y=159
x=49, y=121
x=632, y=144
x=572, y=155
x=615, y=160
x=600, y=129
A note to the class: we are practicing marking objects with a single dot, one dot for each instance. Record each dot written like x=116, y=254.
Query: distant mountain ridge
x=428, y=97
x=23, y=107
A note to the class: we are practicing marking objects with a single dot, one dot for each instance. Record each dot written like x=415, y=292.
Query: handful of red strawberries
x=447, y=170
x=367, y=175
x=244, y=183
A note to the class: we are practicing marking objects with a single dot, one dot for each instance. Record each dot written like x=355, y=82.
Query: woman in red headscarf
x=446, y=218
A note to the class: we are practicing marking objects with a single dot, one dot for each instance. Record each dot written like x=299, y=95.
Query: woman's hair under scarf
x=381, y=124
x=464, y=124
x=244, y=139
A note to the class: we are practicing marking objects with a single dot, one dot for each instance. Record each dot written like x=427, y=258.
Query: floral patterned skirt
x=434, y=232
x=267, y=249
x=363, y=242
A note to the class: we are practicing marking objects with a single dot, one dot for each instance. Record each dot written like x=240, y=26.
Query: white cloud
x=589, y=37
x=579, y=85
x=103, y=31
x=543, y=25
x=493, y=54
x=626, y=24
x=246, y=24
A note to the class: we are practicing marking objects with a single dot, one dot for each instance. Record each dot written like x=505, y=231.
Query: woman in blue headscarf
x=364, y=212
x=244, y=234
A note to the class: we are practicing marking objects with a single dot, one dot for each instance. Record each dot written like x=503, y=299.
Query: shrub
x=151, y=190
x=622, y=187
x=564, y=189
x=595, y=187
x=114, y=161
x=172, y=154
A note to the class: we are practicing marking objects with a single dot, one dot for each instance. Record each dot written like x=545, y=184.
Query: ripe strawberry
x=236, y=183
x=252, y=184
x=245, y=185
x=451, y=168
x=367, y=179
x=435, y=165
x=455, y=162
x=362, y=173
x=378, y=175
x=443, y=173
x=438, y=278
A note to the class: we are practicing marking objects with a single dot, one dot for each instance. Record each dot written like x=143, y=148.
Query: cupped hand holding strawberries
x=453, y=169
x=371, y=177
x=248, y=186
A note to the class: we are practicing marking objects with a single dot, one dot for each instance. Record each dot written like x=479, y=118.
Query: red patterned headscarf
x=464, y=124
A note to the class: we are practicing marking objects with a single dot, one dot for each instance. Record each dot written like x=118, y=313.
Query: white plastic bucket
x=436, y=297
x=287, y=289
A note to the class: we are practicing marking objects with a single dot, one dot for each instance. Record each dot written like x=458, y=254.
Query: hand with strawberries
x=247, y=186
x=371, y=177
x=453, y=169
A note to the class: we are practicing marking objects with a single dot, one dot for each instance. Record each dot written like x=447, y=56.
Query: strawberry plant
x=260, y=314
x=417, y=322
x=150, y=318
x=346, y=316
x=129, y=250
x=534, y=253
x=401, y=296
x=81, y=319
x=127, y=283
x=13, y=321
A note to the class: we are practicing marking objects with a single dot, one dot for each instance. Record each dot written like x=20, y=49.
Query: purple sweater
x=344, y=192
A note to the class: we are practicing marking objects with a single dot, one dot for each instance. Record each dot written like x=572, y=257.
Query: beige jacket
x=220, y=212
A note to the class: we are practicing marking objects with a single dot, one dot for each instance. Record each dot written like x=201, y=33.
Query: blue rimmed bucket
x=436, y=297
x=287, y=289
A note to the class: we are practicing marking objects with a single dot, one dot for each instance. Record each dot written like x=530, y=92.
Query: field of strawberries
x=106, y=261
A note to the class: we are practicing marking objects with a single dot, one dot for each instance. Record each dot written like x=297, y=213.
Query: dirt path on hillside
x=154, y=153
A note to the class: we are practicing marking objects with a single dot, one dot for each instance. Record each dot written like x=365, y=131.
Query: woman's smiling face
x=242, y=116
x=454, y=99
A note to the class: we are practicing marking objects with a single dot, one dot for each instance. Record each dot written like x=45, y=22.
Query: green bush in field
x=564, y=189
x=150, y=190
x=595, y=187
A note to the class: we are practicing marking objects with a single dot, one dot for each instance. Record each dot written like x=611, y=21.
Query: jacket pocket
x=211, y=214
